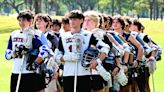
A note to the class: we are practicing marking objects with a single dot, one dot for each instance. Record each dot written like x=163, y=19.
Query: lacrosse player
x=65, y=25
x=21, y=46
x=71, y=48
x=65, y=28
x=56, y=26
x=43, y=23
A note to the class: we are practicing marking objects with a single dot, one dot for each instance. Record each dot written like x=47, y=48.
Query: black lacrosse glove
x=33, y=54
x=20, y=51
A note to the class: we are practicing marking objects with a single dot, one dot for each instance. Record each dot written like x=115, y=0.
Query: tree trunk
x=162, y=10
x=112, y=7
x=151, y=9
x=154, y=9
x=37, y=6
x=161, y=16
x=17, y=10
x=157, y=10
x=119, y=6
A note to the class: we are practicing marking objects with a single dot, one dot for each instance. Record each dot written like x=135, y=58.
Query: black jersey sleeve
x=93, y=40
x=54, y=41
x=9, y=43
x=146, y=39
x=126, y=36
x=60, y=45
x=106, y=40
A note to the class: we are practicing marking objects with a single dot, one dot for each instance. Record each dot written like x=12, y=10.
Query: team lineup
x=85, y=52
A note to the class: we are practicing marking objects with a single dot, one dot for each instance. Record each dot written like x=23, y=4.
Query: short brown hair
x=137, y=23
x=75, y=14
x=120, y=19
x=26, y=15
x=44, y=17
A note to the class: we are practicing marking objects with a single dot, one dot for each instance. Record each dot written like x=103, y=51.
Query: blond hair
x=93, y=15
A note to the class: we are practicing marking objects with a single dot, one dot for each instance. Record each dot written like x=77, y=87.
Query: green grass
x=5, y=66
x=7, y=24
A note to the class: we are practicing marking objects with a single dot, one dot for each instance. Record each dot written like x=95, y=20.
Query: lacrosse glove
x=151, y=63
x=103, y=73
x=121, y=77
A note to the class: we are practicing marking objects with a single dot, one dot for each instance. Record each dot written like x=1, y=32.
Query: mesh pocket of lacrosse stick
x=89, y=54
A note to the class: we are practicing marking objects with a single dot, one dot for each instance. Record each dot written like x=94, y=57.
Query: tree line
x=153, y=9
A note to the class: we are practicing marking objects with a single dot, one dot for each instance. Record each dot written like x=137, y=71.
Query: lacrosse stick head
x=77, y=42
x=89, y=54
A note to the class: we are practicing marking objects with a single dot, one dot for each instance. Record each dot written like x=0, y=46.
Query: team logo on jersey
x=17, y=39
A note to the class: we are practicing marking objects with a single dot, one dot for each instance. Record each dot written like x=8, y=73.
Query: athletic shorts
x=109, y=67
x=29, y=82
x=83, y=84
x=97, y=82
x=141, y=79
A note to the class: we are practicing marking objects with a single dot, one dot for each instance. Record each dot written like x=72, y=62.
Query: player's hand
x=135, y=63
x=93, y=64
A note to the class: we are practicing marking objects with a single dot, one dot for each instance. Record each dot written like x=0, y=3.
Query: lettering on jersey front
x=68, y=40
x=17, y=39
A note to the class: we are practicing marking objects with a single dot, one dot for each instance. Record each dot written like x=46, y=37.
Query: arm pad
x=44, y=51
x=9, y=54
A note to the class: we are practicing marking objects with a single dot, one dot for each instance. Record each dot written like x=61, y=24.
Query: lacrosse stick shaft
x=153, y=82
x=134, y=82
x=58, y=84
x=75, y=77
x=19, y=76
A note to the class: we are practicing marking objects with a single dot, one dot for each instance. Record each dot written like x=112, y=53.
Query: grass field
x=154, y=28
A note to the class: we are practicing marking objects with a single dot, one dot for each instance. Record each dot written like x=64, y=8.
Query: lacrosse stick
x=75, y=77
x=58, y=84
x=20, y=73
x=134, y=81
x=153, y=82
x=77, y=41
x=29, y=35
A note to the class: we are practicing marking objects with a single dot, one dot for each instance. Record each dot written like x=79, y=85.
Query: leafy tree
x=29, y=4
x=104, y=6
x=112, y=7
x=86, y=4
x=15, y=4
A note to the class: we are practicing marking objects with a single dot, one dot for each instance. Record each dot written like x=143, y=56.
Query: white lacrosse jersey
x=18, y=38
x=66, y=47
